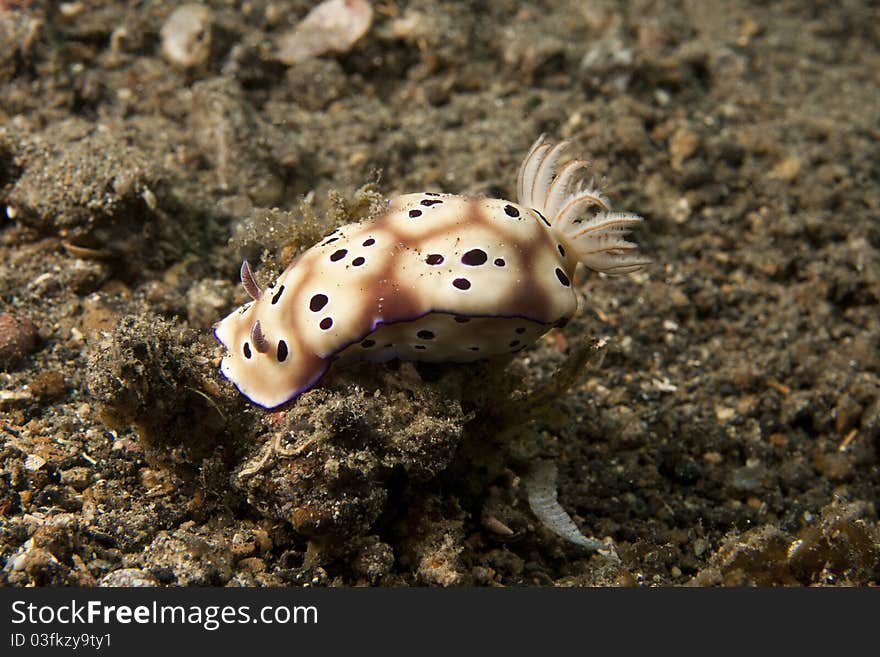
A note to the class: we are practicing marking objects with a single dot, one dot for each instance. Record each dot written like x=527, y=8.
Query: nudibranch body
x=434, y=277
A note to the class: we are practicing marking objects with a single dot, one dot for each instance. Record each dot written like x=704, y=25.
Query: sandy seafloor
x=729, y=436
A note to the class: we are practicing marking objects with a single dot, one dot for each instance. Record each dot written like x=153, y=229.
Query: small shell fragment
x=332, y=26
x=186, y=35
x=34, y=462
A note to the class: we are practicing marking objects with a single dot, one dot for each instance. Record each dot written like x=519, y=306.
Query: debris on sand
x=332, y=26
x=186, y=35
x=18, y=338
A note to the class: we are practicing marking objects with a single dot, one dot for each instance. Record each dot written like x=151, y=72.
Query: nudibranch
x=434, y=277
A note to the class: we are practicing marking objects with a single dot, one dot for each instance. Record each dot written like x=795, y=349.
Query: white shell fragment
x=435, y=277
x=186, y=35
x=332, y=26
x=541, y=491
